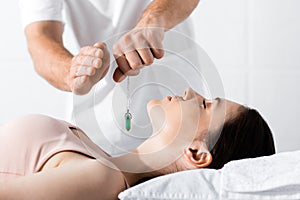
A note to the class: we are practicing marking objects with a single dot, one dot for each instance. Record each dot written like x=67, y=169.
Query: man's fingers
x=123, y=69
x=88, y=67
x=136, y=49
x=79, y=81
x=85, y=71
x=105, y=53
x=134, y=60
x=92, y=51
x=81, y=85
x=123, y=65
x=130, y=63
x=118, y=75
x=156, y=49
x=100, y=45
x=156, y=46
x=146, y=56
x=87, y=61
x=157, y=53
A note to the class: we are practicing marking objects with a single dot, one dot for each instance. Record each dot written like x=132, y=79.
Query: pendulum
x=128, y=120
x=128, y=115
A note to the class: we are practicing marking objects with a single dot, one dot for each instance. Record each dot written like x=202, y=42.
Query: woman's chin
x=151, y=104
x=156, y=114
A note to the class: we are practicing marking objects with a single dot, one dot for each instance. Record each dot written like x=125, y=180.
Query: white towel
x=270, y=177
x=203, y=184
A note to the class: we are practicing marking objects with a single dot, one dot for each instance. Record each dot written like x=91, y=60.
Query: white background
x=254, y=44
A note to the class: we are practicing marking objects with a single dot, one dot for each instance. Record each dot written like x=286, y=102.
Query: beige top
x=28, y=142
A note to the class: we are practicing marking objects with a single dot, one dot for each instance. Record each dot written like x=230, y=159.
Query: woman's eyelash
x=204, y=104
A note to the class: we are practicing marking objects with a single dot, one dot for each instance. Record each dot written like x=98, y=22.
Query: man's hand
x=136, y=49
x=88, y=67
x=140, y=46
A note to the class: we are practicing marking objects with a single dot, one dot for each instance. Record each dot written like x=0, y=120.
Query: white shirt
x=89, y=21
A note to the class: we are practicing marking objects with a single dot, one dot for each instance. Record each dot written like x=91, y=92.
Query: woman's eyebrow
x=218, y=100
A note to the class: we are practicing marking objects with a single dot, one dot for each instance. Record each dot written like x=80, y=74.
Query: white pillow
x=268, y=178
x=189, y=185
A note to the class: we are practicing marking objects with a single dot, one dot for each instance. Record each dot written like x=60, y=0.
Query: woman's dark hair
x=246, y=135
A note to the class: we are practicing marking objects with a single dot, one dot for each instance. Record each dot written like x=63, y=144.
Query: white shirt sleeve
x=40, y=10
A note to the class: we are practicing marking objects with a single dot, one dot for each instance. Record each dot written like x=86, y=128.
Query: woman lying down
x=45, y=158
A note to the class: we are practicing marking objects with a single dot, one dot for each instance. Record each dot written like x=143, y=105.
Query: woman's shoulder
x=32, y=118
x=106, y=177
x=34, y=125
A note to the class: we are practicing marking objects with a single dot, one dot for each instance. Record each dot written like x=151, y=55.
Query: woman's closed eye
x=204, y=104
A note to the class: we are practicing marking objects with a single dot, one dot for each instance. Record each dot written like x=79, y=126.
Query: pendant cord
x=128, y=93
x=128, y=115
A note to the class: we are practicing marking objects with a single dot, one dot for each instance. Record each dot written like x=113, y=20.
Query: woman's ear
x=198, y=154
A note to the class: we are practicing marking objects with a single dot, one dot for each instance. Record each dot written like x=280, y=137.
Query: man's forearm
x=51, y=60
x=166, y=13
x=52, y=63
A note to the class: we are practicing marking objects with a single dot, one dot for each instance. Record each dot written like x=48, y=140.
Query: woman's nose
x=189, y=93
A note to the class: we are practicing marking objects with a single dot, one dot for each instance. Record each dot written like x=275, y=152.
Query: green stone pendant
x=128, y=118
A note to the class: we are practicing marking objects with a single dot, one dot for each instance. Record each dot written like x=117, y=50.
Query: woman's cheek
x=172, y=124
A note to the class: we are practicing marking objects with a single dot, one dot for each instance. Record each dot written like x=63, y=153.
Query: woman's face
x=177, y=120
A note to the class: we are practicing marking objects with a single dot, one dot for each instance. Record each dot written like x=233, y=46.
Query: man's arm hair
x=166, y=13
x=51, y=59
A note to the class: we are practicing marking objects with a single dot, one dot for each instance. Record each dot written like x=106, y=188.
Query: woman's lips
x=174, y=98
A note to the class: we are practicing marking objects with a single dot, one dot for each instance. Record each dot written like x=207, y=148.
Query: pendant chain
x=128, y=94
x=128, y=115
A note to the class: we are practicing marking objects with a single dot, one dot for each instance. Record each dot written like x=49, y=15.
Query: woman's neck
x=133, y=167
x=134, y=178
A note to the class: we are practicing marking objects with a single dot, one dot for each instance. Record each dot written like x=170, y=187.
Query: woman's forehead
x=232, y=108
